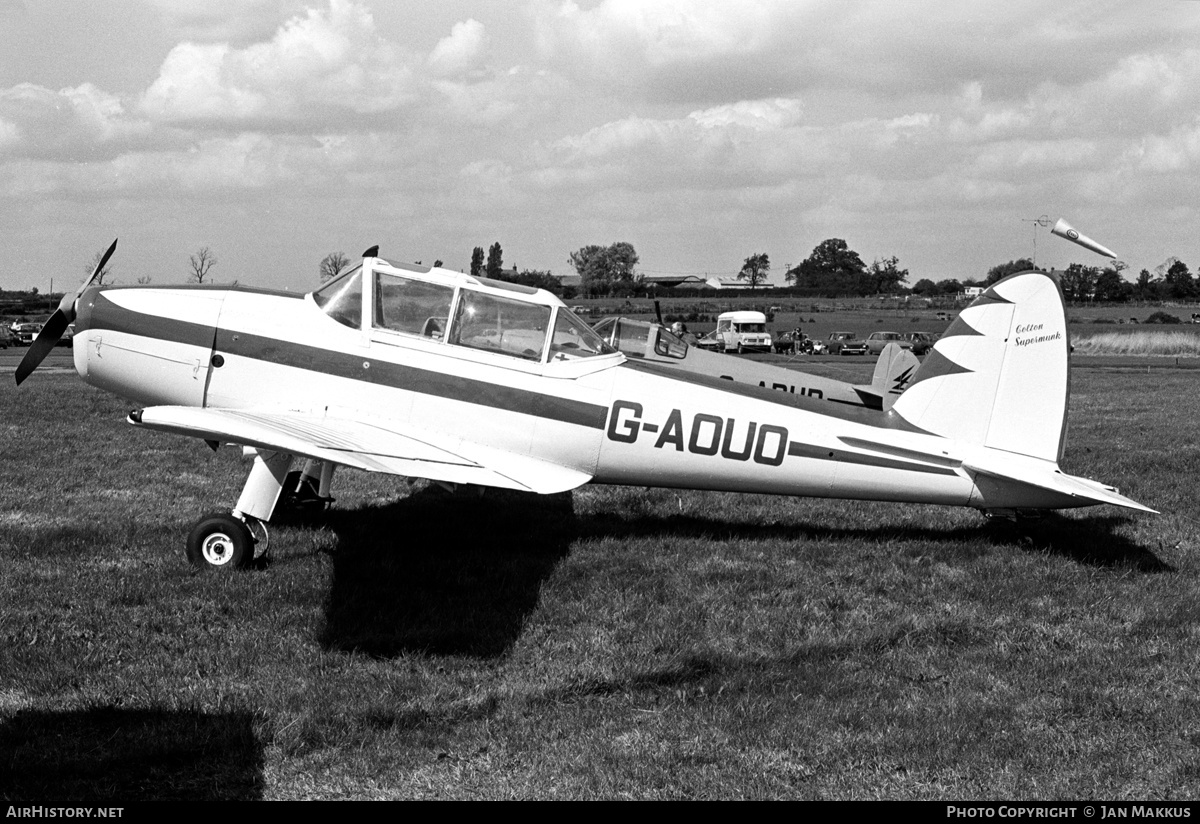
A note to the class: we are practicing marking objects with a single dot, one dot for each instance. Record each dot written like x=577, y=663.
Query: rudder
x=999, y=375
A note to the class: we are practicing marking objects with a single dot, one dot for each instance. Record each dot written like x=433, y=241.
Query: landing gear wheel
x=220, y=540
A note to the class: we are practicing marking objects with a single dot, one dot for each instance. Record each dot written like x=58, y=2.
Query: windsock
x=1064, y=229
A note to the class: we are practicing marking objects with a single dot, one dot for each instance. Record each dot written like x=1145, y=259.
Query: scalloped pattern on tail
x=999, y=375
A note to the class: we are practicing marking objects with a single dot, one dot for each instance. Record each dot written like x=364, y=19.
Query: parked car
x=26, y=332
x=877, y=340
x=709, y=341
x=921, y=342
x=845, y=343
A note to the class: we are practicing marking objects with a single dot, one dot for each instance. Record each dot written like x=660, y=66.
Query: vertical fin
x=894, y=372
x=998, y=377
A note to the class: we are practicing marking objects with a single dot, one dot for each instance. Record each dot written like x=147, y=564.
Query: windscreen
x=341, y=298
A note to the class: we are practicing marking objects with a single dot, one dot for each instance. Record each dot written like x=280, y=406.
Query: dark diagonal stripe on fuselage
x=402, y=376
x=106, y=315
x=803, y=450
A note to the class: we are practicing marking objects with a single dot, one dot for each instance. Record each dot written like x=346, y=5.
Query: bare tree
x=201, y=263
x=331, y=264
x=105, y=273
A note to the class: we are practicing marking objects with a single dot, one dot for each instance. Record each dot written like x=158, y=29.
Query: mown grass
x=1178, y=344
x=613, y=643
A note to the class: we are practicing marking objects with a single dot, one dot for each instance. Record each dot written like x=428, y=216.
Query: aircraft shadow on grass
x=459, y=575
x=113, y=755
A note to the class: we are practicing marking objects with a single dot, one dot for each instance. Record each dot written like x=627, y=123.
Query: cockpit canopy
x=641, y=338
x=459, y=310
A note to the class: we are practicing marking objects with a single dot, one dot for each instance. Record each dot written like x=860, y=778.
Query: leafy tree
x=477, y=262
x=1005, y=269
x=949, y=287
x=833, y=268
x=925, y=286
x=886, y=276
x=1111, y=287
x=754, y=269
x=1146, y=288
x=201, y=264
x=539, y=279
x=495, y=262
x=1178, y=282
x=105, y=273
x=1079, y=282
x=606, y=270
x=331, y=264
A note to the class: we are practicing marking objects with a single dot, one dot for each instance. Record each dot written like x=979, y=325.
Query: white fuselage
x=614, y=420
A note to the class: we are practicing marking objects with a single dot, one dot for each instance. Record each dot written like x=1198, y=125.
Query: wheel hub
x=217, y=548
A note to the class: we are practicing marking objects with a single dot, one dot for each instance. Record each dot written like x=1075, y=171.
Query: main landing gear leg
x=307, y=489
x=227, y=539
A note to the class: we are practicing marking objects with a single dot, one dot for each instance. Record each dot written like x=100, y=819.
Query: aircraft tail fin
x=998, y=377
x=894, y=372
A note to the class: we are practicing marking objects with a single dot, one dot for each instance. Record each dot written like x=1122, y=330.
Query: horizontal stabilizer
x=1083, y=491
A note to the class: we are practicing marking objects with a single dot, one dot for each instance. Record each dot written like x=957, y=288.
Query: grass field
x=613, y=643
x=1155, y=343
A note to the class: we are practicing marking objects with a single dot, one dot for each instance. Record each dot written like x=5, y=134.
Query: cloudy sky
x=276, y=131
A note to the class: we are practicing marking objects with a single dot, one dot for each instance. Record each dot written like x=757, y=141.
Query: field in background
x=613, y=643
x=821, y=316
x=1142, y=342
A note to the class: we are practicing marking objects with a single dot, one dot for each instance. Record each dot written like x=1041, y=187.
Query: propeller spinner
x=54, y=328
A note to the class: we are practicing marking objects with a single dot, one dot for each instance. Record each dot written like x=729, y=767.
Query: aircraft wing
x=364, y=443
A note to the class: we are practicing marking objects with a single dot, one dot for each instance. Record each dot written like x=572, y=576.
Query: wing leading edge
x=371, y=445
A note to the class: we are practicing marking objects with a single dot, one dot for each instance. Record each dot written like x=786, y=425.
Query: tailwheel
x=220, y=540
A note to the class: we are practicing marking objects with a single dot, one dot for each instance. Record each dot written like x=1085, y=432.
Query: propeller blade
x=96, y=271
x=46, y=340
x=54, y=328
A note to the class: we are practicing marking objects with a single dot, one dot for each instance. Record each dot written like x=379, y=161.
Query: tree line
x=832, y=269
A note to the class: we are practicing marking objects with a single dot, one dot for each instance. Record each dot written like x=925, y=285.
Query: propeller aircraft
x=653, y=343
x=430, y=373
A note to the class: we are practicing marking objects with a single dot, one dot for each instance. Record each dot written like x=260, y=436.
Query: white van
x=742, y=331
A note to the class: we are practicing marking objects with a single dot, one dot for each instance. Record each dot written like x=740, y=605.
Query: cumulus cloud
x=319, y=65
x=81, y=123
x=459, y=52
x=760, y=115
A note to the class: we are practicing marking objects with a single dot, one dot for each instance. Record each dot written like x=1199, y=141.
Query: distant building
x=672, y=281
x=735, y=283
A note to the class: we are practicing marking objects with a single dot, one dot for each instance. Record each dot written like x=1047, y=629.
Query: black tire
x=220, y=540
